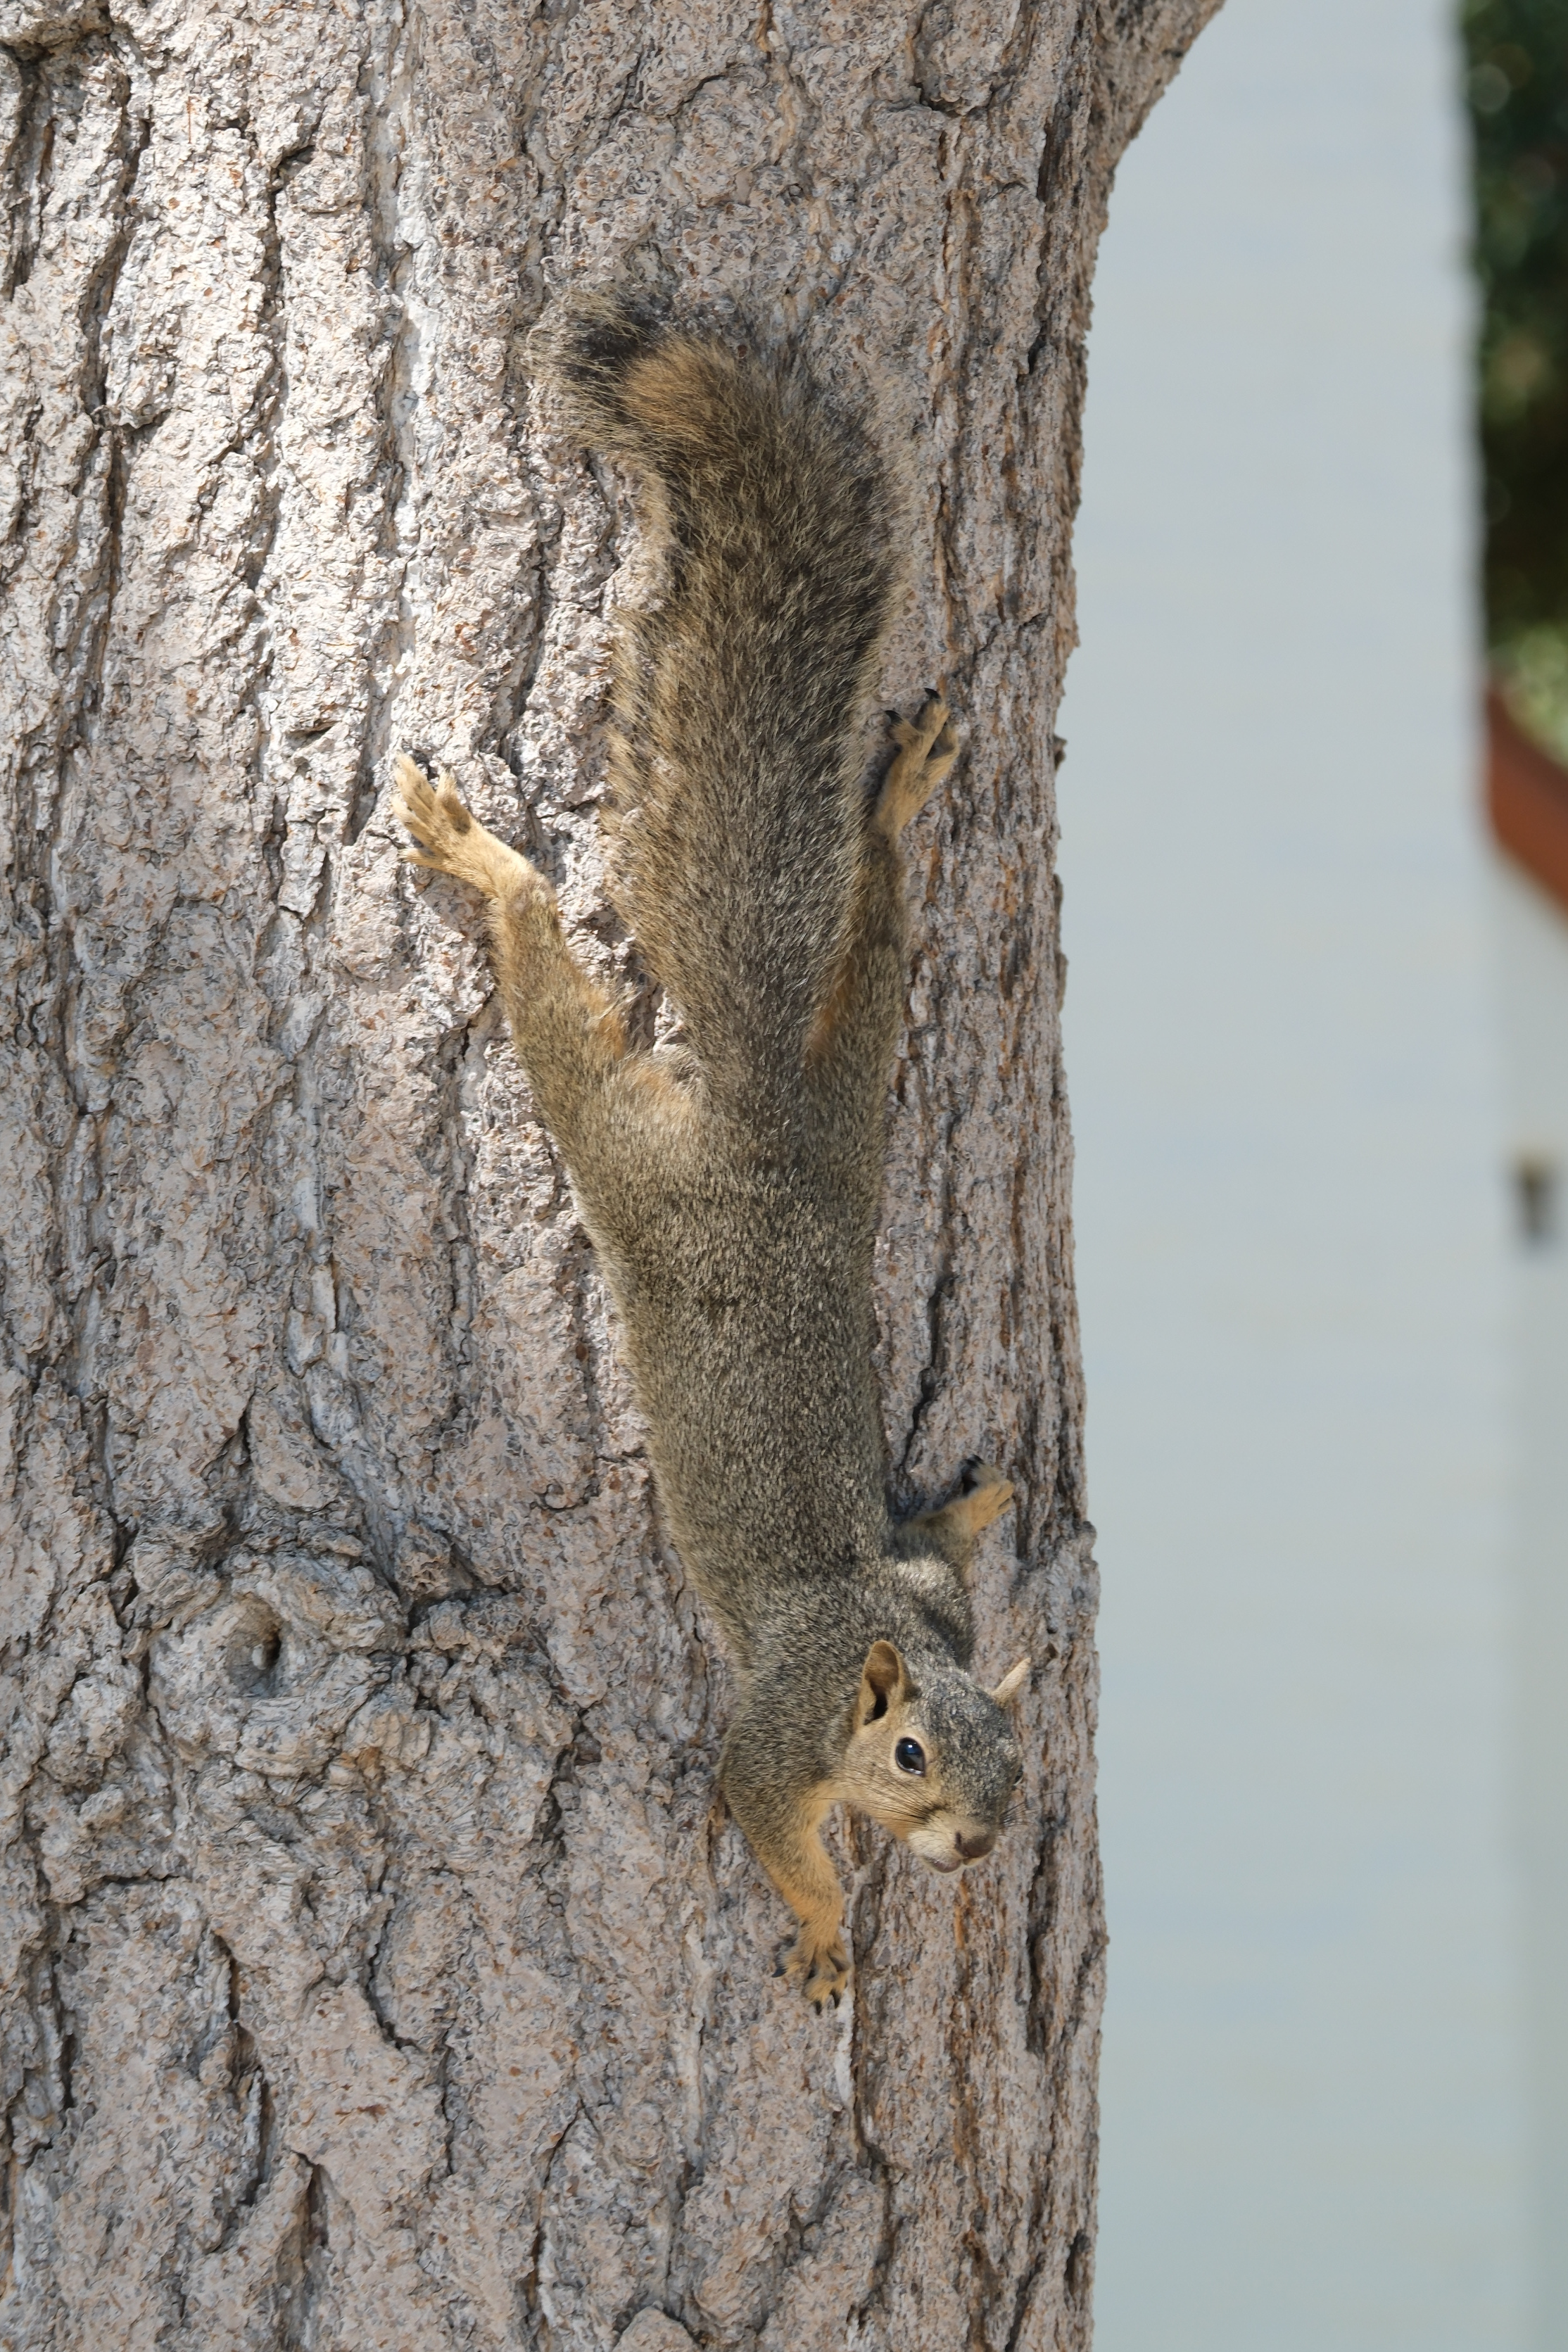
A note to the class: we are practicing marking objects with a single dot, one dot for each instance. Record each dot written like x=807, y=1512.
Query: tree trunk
x=380, y=1969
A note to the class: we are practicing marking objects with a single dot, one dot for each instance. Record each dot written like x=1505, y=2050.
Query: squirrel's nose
x=972, y=1848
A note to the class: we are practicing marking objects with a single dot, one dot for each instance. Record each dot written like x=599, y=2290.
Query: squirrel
x=729, y=1180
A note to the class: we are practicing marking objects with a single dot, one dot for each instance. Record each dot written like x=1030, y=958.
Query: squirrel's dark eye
x=910, y=1755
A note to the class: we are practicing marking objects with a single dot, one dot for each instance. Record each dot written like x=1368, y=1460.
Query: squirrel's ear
x=881, y=1680
x=1012, y=1682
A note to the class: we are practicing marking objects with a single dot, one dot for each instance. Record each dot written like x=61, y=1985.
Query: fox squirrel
x=730, y=1181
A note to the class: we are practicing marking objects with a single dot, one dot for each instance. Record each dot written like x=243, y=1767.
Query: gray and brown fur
x=730, y=1183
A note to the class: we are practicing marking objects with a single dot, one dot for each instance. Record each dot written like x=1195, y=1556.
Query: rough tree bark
x=379, y=1970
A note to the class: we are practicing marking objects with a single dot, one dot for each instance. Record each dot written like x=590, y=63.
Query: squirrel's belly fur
x=730, y=1188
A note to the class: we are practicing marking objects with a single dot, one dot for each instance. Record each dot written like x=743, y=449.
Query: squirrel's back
x=736, y=757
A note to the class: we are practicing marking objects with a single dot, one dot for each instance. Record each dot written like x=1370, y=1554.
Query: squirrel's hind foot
x=447, y=837
x=927, y=749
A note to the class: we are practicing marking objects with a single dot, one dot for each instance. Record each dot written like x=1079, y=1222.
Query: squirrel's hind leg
x=569, y=1034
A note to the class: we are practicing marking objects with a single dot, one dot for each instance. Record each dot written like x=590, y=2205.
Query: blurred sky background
x=1317, y=1032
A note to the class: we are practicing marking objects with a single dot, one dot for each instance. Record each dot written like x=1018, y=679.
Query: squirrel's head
x=933, y=1758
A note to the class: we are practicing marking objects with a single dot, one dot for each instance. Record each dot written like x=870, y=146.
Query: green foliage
x=1532, y=665
x=1519, y=103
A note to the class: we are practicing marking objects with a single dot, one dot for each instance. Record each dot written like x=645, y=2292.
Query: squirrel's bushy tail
x=736, y=755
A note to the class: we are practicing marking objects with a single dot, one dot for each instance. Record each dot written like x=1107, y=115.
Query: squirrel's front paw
x=448, y=839
x=819, y=1965
x=987, y=1494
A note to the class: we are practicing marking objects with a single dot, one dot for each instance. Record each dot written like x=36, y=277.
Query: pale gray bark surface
x=379, y=1971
